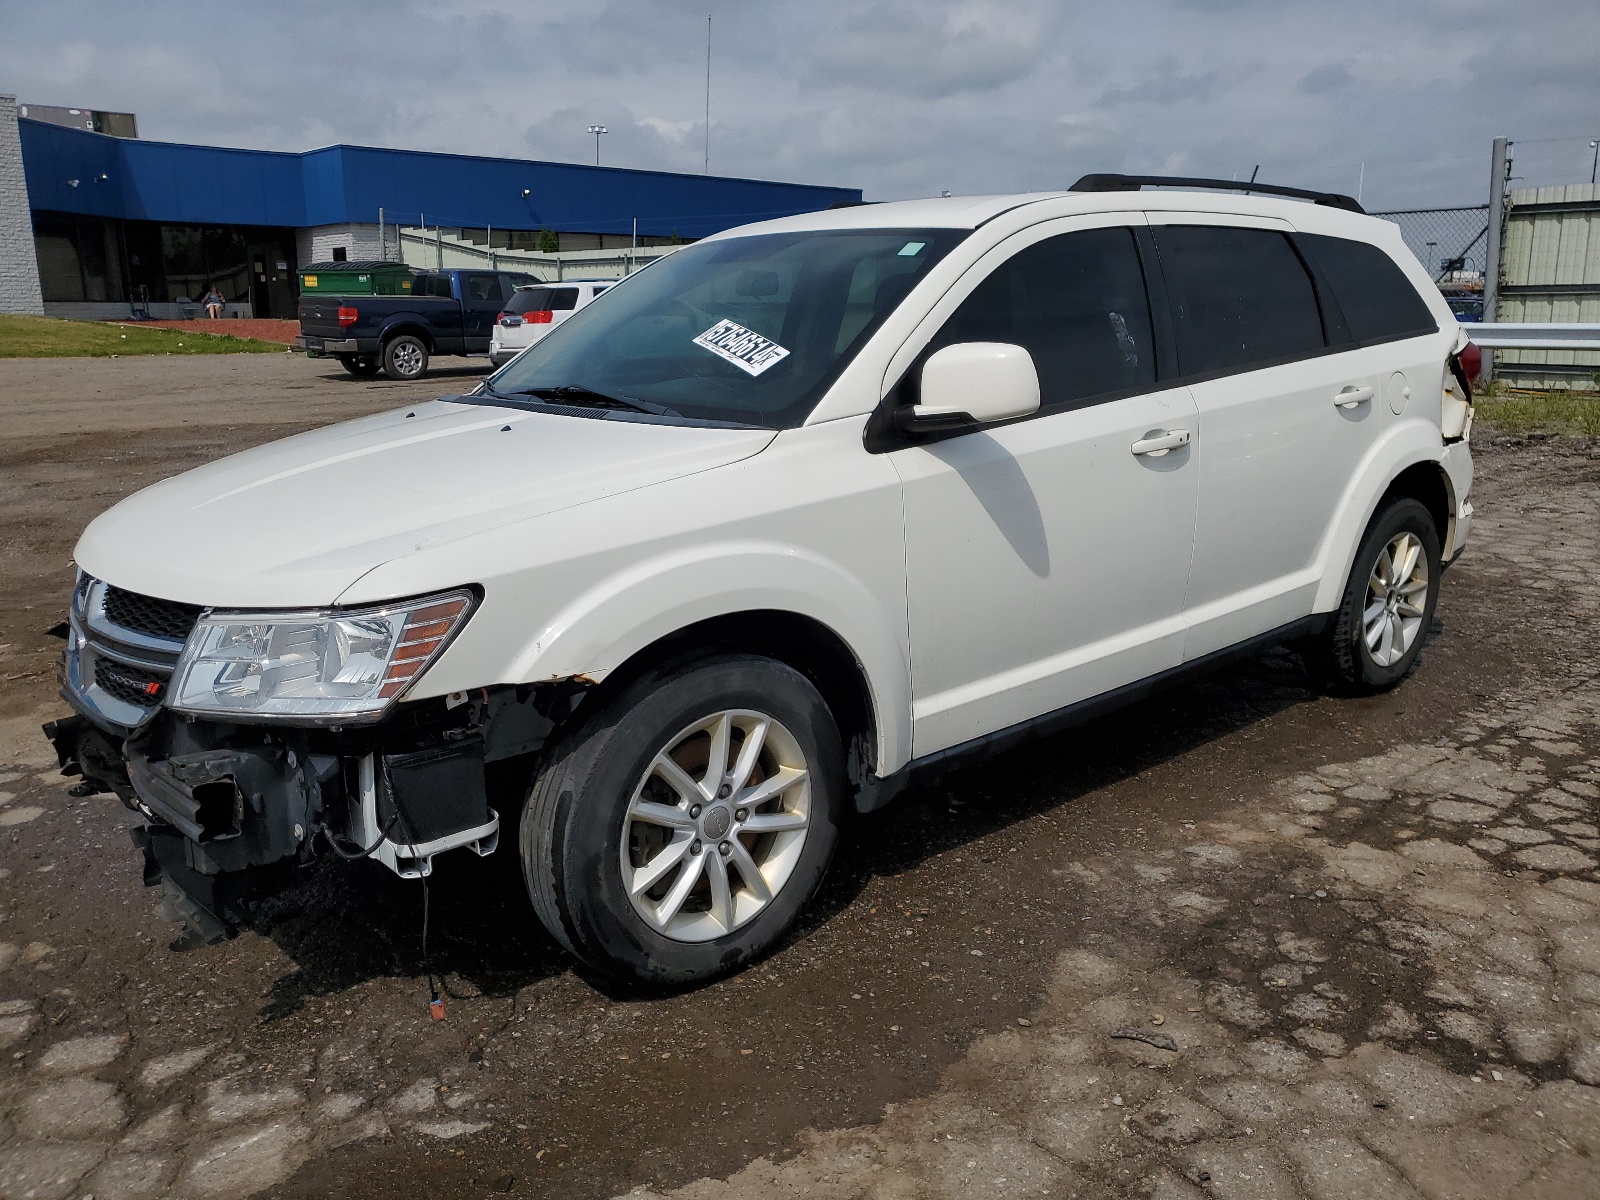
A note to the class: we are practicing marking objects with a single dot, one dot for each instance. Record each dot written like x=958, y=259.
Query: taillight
x=1469, y=364
x=538, y=317
x=499, y=316
x=347, y=316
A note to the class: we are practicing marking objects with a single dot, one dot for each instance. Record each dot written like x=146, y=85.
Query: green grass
x=1513, y=411
x=49, y=337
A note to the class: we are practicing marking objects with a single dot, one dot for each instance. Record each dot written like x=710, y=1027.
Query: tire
x=585, y=837
x=1345, y=659
x=405, y=357
x=362, y=366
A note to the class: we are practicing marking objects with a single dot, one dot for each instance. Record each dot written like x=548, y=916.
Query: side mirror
x=973, y=383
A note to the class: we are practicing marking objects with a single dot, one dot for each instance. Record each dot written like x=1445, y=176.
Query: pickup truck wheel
x=676, y=834
x=1383, y=620
x=362, y=366
x=405, y=357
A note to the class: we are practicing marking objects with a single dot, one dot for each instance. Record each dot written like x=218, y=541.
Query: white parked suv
x=534, y=310
x=808, y=511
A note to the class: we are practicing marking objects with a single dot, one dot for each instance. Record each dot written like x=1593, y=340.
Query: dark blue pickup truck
x=447, y=312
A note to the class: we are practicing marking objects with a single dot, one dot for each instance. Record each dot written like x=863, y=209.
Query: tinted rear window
x=1377, y=300
x=484, y=287
x=432, y=285
x=1241, y=297
x=543, y=299
x=1077, y=304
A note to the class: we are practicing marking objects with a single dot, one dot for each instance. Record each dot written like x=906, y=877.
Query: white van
x=804, y=513
x=534, y=311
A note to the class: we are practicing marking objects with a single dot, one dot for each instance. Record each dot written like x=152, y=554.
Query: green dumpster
x=356, y=278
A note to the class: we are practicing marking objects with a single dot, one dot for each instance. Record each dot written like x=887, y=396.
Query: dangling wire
x=435, y=1004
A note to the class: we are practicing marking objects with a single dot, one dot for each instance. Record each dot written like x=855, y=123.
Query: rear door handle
x=1350, y=397
x=1160, y=443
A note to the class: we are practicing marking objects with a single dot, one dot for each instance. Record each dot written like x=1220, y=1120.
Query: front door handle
x=1350, y=397
x=1160, y=443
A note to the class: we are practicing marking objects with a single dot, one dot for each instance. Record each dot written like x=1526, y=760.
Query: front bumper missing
x=233, y=812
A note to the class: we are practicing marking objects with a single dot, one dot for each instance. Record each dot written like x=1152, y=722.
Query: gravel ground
x=1239, y=940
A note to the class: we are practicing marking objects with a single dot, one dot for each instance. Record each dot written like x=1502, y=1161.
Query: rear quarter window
x=1378, y=302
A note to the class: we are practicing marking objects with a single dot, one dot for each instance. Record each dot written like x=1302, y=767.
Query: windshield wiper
x=573, y=393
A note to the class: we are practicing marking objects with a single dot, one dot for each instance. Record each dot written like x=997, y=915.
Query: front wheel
x=405, y=357
x=676, y=834
x=1387, y=608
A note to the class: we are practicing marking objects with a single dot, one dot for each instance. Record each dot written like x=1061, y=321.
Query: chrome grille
x=131, y=685
x=122, y=650
x=150, y=616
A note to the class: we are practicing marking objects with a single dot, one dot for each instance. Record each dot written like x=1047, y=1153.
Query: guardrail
x=1533, y=336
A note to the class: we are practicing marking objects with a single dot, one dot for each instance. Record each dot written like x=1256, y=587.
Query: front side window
x=1077, y=304
x=1377, y=300
x=1240, y=298
x=750, y=330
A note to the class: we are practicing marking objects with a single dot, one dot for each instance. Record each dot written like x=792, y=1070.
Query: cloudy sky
x=899, y=98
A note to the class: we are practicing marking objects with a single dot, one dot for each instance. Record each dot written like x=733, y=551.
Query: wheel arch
x=1407, y=460
x=799, y=641
x=403, y=325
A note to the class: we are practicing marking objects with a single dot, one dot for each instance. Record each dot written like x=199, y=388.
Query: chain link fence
x=1450, y=242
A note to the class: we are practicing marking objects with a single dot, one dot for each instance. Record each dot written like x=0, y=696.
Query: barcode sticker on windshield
x=744, y=348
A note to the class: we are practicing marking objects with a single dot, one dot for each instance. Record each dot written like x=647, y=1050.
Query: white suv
x=536, y=309
x=807, y=511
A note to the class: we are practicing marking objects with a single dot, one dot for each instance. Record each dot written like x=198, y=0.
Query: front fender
x=610, y=622
x=1400, y=446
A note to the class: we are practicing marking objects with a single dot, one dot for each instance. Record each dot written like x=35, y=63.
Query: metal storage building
x=1550, y=271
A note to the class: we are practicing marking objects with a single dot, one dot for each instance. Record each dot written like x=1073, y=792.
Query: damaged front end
x=234, y=808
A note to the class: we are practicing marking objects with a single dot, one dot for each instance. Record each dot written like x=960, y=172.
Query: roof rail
x=1132, y=183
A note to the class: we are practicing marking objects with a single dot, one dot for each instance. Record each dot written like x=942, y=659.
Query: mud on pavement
x=1237, y=941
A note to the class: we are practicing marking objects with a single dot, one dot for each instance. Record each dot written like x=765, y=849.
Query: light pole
x=597, y=130
x=1595, y=146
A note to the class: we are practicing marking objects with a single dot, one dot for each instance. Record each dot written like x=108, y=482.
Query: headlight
x=349, y=664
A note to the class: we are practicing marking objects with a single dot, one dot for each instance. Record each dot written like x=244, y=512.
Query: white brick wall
x=19, y=268
x=316, y=244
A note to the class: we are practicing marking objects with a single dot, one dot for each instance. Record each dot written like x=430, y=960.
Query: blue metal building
x=118, y=220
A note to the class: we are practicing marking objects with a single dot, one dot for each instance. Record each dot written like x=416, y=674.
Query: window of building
x=1077, y=304
x=1241, y=297
x=1377, y=300
x=339, y=254
x=80, y=258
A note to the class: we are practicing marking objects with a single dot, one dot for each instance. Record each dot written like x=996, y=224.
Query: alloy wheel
x=408, y=358
x=716, y=825
x=1397, y=596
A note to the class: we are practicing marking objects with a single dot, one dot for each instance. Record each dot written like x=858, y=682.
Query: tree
x=549, y=243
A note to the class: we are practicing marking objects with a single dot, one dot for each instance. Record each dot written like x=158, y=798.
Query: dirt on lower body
x=1366, y=927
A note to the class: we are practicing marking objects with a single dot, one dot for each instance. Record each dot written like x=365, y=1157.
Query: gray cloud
x=898, y=97
x=1330, y=77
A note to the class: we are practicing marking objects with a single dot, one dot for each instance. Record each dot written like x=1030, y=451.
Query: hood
x=296, y=522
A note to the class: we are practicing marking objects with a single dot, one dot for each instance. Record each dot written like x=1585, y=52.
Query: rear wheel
x=676, y=834
x=405, y=357
x=362, y=366
x=1383, y=620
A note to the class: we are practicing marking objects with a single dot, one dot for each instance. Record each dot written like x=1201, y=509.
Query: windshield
x=750, y=330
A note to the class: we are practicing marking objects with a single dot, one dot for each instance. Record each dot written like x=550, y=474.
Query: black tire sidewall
x=392, y=371
x=612, y=753
x=1401, y=515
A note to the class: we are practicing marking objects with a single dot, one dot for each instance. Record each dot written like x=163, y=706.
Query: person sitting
x=213, y=301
